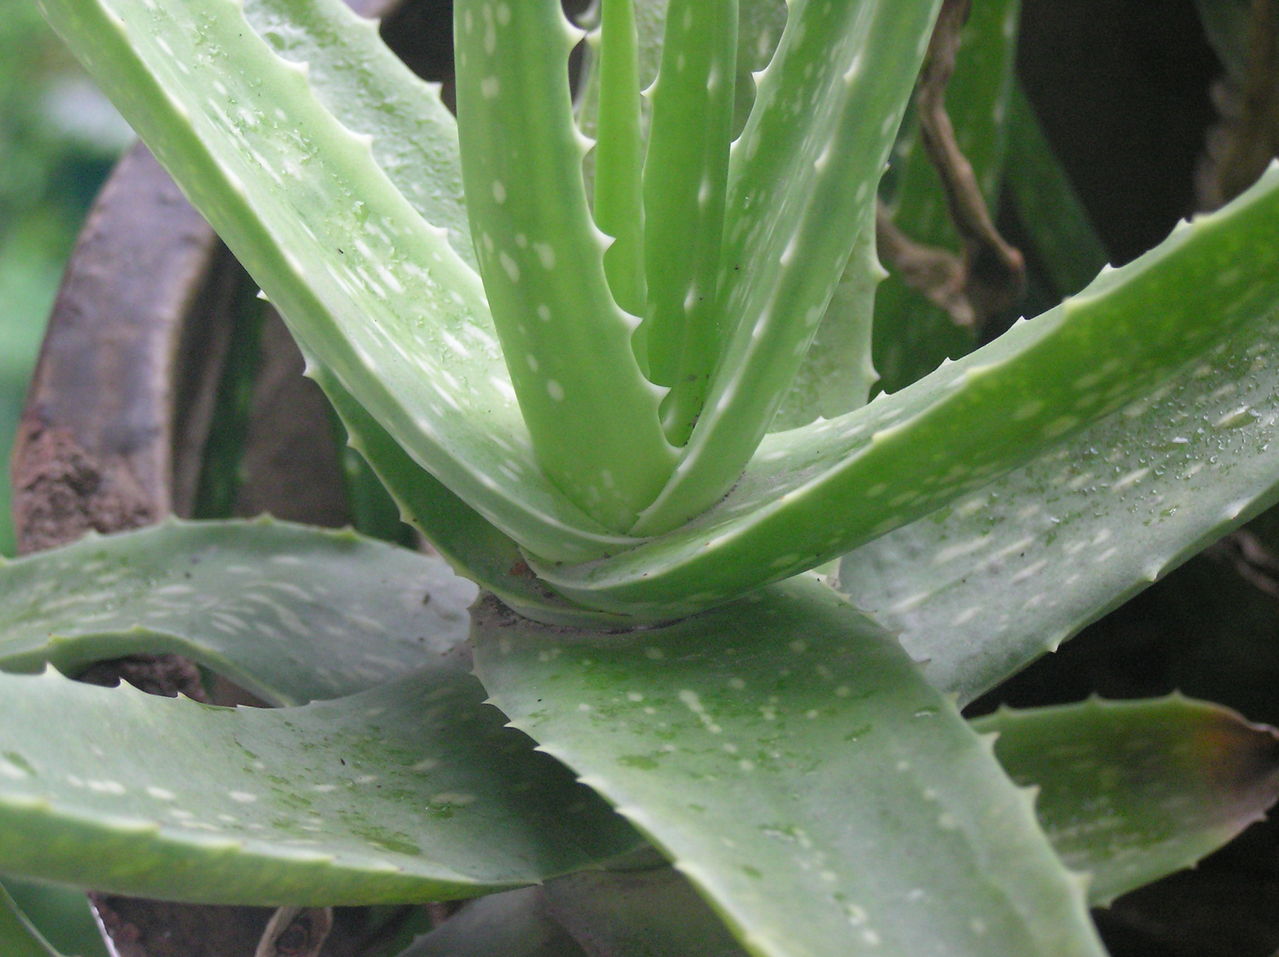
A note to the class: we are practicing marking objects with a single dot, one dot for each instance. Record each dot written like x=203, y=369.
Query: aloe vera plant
x=612, y=354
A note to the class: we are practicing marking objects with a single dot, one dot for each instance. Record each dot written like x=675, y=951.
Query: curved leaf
x=411, y=791
x=1130, y=791
x=1208, y=292
x=792, y=763
x=374, y=291
x=288, y=612
x=17, y=935
x=989, y=583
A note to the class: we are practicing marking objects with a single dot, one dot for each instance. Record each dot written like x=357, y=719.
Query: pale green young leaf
x=371, y=289
x=1205, y=297
x=802, y=176
x=411, y=791
x=288, y=612
x=698, y=732
x=1131, y=791
x=685, y=175
x=592, y=415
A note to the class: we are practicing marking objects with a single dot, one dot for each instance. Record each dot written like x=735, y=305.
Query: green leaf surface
x=790, y=760
x=801, y=176
x=511, y=924
x=633, y=913
x=411, y=791
x=374, y=291
x=685, y=177
x=1130, y=791
x=1002, y=575
x=1047, y=205
x=1094, y=366
x=912, y=335
x=592, y=415
x=473, y=547
x=17, y=935
x=288, y=612
x=61, y=915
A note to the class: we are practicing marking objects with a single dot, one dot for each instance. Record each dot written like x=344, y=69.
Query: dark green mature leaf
x=1130, y=791
x=995, y=579
x=634, y=913
x=17, y=936
x=409, y=792
x=912, y=335
x=288, y=612
x=61, y=915
x=791, y=761
x=511, y=924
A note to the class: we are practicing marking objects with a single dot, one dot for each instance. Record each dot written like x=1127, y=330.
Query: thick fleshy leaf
x=409, y=792
x=374, y=291
x=912, y=335
x=592, y=415
x=789, y=759
x=1087, y=372
x=1000, y=576
x=1130, y=791
x=288, y=612
x=825, y=117
x=18, y=936
x=62, y=916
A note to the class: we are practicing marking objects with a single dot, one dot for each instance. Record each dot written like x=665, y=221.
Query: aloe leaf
x=472, y=546
x=1000, y=576
x=1200, y=299
x=408, y=792
x=621, y=914
x=619, y=155
x=802, y=174
x=685, y=175
x=698, y=733
x=17, y=935
x=61, y=915
x=1131, y=791
x=371, y=289
x=510, y=924
x=912, y=335
x=288, y=612
x=591, y=413
x=1048, y=207
x=371, y=92
x=838, y=374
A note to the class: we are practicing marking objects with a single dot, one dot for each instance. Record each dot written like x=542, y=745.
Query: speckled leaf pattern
x=18, y=938
x=1000, y=576
x=592, y=415
x=475, y=548
x=912, y=335
x=374, y=291
x=288, y=612
x=411, y=791
x=790, y=760
x=1131, y=791
x=1203, y=299
x=825, y=116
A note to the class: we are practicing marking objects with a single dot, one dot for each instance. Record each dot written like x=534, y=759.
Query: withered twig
x=296, y=932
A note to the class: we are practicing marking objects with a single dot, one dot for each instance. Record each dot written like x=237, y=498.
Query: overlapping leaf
x=792, y=763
